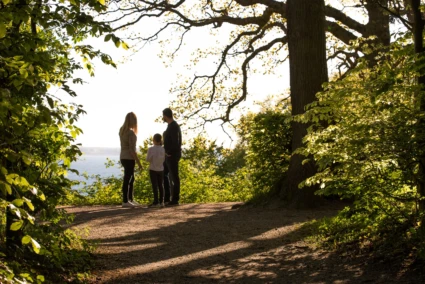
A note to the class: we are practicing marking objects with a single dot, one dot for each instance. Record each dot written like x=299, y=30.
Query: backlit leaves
x=16, y=225
x=365, y=141
x=2, y=30
x=37, y=132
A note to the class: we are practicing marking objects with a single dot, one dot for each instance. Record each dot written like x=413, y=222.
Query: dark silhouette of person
x=128, y=158
x=173, y=152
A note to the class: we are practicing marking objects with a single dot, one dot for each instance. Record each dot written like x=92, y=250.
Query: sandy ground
x=218, y=243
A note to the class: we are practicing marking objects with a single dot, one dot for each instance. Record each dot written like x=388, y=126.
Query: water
x=94, y=165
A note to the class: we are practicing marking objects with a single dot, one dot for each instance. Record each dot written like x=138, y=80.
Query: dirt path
x=213, y=243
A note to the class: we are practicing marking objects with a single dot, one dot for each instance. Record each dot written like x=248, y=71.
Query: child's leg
x=161, y=186
x=154, y=181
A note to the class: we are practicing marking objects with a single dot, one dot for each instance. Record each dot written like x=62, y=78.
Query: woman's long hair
x=130, y=122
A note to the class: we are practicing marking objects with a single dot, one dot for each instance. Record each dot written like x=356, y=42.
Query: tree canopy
x=40, y=46
x=258, y=34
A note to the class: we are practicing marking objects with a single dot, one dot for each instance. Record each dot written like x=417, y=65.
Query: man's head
x=167, y=115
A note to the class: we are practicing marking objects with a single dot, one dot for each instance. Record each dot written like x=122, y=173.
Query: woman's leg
x=128, y=181
x=131, y=182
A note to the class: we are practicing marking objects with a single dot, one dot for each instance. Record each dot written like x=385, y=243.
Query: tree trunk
x=378, y=26
x=379, y=22
x=308, y=71
x=418, y=29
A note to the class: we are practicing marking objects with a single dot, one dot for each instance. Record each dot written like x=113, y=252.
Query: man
x=167, y=193
x=173, y=152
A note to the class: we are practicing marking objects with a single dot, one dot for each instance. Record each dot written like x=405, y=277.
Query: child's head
x=157, y=139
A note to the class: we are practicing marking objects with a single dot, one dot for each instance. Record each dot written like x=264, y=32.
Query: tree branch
x=266, y=47
x=344, y=19
x=339, y=32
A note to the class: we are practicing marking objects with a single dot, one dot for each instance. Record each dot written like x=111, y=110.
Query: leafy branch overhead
x=41, y=45
x=257, y=36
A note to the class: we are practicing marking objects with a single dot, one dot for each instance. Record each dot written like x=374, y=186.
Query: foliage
x=212, y=173
x=267, y=135
x=365, y=143
x=37, y=132
x=248, y=37
x=201, y=175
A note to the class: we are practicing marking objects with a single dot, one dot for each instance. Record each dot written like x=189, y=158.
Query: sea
x=93, y=162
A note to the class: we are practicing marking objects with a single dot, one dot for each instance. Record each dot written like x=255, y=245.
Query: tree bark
x=379, y=22
x=378, y=26
x=308, y=71
x=418, y=29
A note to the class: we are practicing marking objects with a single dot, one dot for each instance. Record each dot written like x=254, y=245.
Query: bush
x=365, y=142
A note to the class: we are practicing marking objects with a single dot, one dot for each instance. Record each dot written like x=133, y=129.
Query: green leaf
x=50, y=101
x=29, y=204
x=40, y=278
x=42, y=197
x=21, y=181
x=35, y=246
x=5, y=2
x=108, y=37
x=26, y=240
x=70, y=29
x=31, y=219
x=2, y=30
x=6, y=187
x=101, y=2
x=26, y=160
x=10, y=178
x=124, y=45
x=16, y=225
x=18, y=202
x=27, y=276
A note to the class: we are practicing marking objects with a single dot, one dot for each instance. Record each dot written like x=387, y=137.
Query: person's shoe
x=154, y=205
x=173, y=203
x=127, y=204
x=135, y=203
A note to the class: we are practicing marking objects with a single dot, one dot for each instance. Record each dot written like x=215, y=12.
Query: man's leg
x=167, y=194
x=160, y=178
x=173, y=167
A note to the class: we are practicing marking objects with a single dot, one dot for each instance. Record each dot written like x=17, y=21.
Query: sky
x=141, y=84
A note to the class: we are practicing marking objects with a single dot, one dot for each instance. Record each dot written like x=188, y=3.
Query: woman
x=128, y=157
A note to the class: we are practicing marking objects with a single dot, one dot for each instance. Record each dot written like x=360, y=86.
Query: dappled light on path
x=151, y=267
x=210, y=243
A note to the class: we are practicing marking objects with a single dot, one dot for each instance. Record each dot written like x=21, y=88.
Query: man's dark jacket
x=173, y=139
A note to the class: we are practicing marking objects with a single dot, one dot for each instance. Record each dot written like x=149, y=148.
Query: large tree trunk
x=418, y=29
x=308, y=71
x=379, y=22
x=378, y=26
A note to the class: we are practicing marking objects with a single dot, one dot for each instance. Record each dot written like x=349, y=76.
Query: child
x=156, y=157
